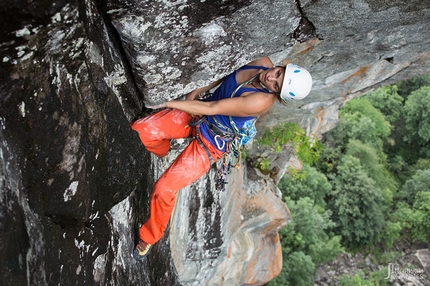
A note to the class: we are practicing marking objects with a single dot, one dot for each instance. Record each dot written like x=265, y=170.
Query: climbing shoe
x=141, y=250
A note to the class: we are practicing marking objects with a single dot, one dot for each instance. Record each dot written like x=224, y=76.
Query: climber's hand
x=193, y=95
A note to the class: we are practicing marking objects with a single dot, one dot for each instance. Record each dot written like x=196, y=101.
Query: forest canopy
x=369, y=188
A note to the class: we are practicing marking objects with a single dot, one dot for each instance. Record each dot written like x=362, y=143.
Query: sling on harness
x=196, y=124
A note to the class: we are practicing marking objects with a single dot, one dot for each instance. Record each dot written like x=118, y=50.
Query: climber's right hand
x=192, y=95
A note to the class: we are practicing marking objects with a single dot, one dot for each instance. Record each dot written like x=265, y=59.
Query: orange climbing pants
x=155, y=132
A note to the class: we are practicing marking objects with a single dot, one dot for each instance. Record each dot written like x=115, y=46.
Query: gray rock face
x=230, y=237
x=75, y=180
x=178, y=46
x=68, y=156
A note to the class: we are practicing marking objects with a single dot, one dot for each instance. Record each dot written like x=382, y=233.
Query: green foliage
x=415, y=221
x=403, y=142
x=359, y=120
x=398, y=167
x=378, y=155
x=390, y=233
x=417, y=116
x=353, y=126
x=357, y=279
x=422, y=216
x=281, y=135
x=404, y=216
x=376, y=278
x=329, y=158
x=370, y=160
x=386, y=257
x=406, y=87
x=362, y=108
x=313, y=184
x=295, y=174
x=307, y=150
x=356, y=204
x=419, y=182
x=421, y=164
x=306, y=243
x=299, y=270
x=263, y=164
x=388, y=101
x=307, y=233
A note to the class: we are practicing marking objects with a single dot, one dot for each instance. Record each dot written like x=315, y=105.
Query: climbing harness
x=196, y=125
x=224, y=136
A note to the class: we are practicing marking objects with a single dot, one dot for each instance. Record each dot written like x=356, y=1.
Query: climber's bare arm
x=252, y=104
x=266, y=62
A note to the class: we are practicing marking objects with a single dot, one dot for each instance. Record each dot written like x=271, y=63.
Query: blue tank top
x=225, y=90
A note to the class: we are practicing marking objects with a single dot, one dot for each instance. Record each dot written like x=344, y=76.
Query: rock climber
x=214, y=123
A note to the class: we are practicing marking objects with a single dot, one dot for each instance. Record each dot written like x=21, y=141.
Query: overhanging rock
x=175, y=47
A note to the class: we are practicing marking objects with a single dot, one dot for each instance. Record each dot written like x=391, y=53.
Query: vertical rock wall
x=75, y=180
x=228, y=237
x=68, y=156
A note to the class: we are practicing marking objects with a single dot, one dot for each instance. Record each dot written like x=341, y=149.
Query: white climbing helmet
x=297, y=83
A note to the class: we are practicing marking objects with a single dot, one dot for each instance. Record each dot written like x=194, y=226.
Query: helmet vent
x=296, y=71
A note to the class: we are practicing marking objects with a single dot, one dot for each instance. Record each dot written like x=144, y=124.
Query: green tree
x=329, y=158
x=405, y=216
x=376, y=278
x=307, y=233
x=298, y=270
x=307, y=149
x=361, y=121
x=305, y=242
x=372, y=163
x=422, y=215
x=362, y=107
x=314, y=185
x=417, y=115
x=406, y=87
x=355, y=126
x=420, y=182
x=356, y=204
x=388, y=101
x=398, y=167
x=421, y=164
x=415, y=221
x=390, y=233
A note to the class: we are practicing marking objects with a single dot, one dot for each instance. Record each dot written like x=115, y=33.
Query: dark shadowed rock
x=75, y=180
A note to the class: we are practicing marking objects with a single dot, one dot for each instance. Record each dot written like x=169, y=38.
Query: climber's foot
x=141, y=250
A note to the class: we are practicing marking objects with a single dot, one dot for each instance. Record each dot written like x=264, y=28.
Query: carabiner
x=217, y=144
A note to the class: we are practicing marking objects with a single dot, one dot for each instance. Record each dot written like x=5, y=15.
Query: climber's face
x=273, y=79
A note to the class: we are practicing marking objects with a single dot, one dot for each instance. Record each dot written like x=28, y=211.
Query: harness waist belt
x=226, y=135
